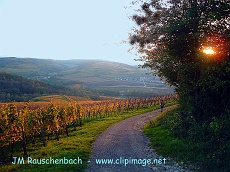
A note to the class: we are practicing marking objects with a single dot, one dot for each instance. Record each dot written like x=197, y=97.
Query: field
x=30, y=132
x=59, y=99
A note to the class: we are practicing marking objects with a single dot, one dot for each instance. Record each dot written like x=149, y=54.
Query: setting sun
x=209, y=50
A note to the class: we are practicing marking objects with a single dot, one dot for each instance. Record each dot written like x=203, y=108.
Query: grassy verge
x=167, y=144
x=78, y=144
x=195, y=143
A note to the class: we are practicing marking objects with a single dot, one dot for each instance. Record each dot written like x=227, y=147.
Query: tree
x=172, y=37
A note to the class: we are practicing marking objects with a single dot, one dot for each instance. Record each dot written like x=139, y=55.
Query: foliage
x=78, y=142
x=33, y=125
x=203, y=143
x=172, y=36
x=18, y=88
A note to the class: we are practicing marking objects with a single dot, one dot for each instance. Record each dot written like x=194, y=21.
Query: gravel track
x=126, y=140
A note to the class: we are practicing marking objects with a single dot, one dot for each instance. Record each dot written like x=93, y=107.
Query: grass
x=78, y=144
x=65, y=98
x=168, y=145
x=166, y=137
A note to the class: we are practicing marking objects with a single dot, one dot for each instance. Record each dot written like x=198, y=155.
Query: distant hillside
x=29, y=67
x=18, y=88
x=70, y=72
x=103, y=75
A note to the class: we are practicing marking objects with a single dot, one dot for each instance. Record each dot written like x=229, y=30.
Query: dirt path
x=125, y=140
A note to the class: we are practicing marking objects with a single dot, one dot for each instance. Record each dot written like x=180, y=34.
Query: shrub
x=210, y=139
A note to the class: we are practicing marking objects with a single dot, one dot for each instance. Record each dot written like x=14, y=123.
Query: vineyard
x=28, y=123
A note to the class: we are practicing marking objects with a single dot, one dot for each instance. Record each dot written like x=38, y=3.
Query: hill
x=18, y=88
x=68, y=72
x=29, y=67
x=103, y=75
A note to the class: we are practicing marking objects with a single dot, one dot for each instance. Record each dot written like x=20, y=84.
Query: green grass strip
x=167, y=144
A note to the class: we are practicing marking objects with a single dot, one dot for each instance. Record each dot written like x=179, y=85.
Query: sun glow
x=209, y=51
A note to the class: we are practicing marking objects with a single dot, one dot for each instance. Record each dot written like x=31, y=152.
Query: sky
x=66, y=29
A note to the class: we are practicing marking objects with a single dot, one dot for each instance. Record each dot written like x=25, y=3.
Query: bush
x=210, y=140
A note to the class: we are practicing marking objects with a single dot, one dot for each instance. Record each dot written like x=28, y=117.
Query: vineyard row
x=38, y=125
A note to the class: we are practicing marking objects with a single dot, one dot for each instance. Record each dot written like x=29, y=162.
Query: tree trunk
x=12, y=151
x=43, y=136
x=74, y=125
x=24, y=144
x=2, y=152
x=34, y=137
x=66, y=130
x=80, y=120
x=57, y=137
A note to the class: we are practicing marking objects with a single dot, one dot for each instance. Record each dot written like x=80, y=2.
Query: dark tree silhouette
x=172, y=37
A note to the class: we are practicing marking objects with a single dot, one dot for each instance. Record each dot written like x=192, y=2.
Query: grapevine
x=30, y=123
